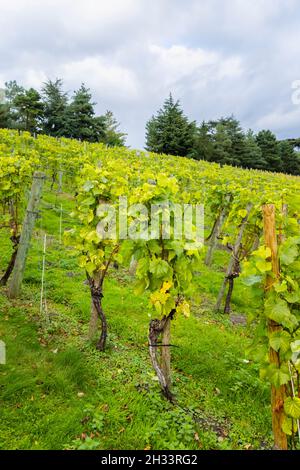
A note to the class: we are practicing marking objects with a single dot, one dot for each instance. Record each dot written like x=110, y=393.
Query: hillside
x=57, y=390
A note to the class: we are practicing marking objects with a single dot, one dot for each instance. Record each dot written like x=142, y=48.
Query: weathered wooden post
x=28, y=225
x=277, y=394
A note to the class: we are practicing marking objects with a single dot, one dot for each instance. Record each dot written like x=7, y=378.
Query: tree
x=4, y=110
x=55, y=108
x=29, y=108
x=203, y=148
x=270, y=150
x=113, y=136
x=289, y=159
x=12, y=90
x=222, y=144
x=253, y=157
x=170, y=131
x=82, y=123
x=80, y=115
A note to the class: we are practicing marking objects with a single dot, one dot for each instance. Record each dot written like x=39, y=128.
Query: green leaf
x=292, y=297
x=288, y=254
x=159, y=268
x=252, y=280
x=88, y=185
x=292, y=407
x=295, y=346
x=278, y=375
x=263, y=266
x=278, y=310
x=280, y=340
x=287, y=426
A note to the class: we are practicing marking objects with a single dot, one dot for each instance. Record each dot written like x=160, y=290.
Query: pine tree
x=222, y=145
x=170, y=131
x=253, y=157
x=55, y=108
x=203, y=148
x=81, y=122
x=113, y=136
x=270, y=150
x=237, y=137
x=289, y=159
x=80, y=115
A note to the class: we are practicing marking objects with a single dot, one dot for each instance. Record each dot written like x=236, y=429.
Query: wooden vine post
x=277, y=394
x=27, y=229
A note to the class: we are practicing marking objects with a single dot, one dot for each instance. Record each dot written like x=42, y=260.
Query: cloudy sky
x=217, y=56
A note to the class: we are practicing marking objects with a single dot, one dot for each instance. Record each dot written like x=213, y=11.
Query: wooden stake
x=277, y=394
x=166, y=352
x=27, y=229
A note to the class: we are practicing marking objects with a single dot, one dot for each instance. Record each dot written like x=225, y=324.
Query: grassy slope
x=56, y=388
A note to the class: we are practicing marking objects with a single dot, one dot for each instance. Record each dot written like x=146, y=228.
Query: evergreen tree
x=237, y=137
x=289, y=159
x=55, y=108
x=203, y=148
x=29, y=109
x=113, y=136
x=80, y=115
x=270, y=150
x=253, y=157
x=170, y=131
x=81, y=121
x=222, y=145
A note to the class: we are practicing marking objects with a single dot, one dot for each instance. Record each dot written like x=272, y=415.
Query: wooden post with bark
x=27, y=229
x=162, y=328
x=277, y=394
x=233, y=260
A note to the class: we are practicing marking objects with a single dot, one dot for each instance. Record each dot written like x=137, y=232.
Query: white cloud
x=216, y=56
x=108, y=79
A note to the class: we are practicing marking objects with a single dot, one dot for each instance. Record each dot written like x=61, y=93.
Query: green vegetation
x=58, y=392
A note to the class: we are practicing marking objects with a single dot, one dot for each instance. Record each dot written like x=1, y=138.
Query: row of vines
x=253, y=215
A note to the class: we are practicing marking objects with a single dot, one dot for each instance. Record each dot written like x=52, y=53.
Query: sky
x=218, y=57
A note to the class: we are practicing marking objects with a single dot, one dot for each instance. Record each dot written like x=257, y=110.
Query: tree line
x=222, y=141
x=54, y=113
x=51, y=111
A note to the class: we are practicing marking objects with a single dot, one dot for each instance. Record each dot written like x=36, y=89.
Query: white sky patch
x=108, y=79
x=178, y=62
x=280, y=119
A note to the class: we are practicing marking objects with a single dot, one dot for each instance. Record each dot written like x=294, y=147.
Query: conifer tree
x=170, y=131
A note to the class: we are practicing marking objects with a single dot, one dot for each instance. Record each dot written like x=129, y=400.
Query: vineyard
x=140, y=343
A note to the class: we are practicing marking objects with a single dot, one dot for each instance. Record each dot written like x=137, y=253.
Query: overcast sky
x=217, y=57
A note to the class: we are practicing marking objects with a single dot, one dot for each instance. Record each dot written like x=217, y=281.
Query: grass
x=58, y=392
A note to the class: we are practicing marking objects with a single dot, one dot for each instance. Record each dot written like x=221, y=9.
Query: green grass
x=57, y=391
